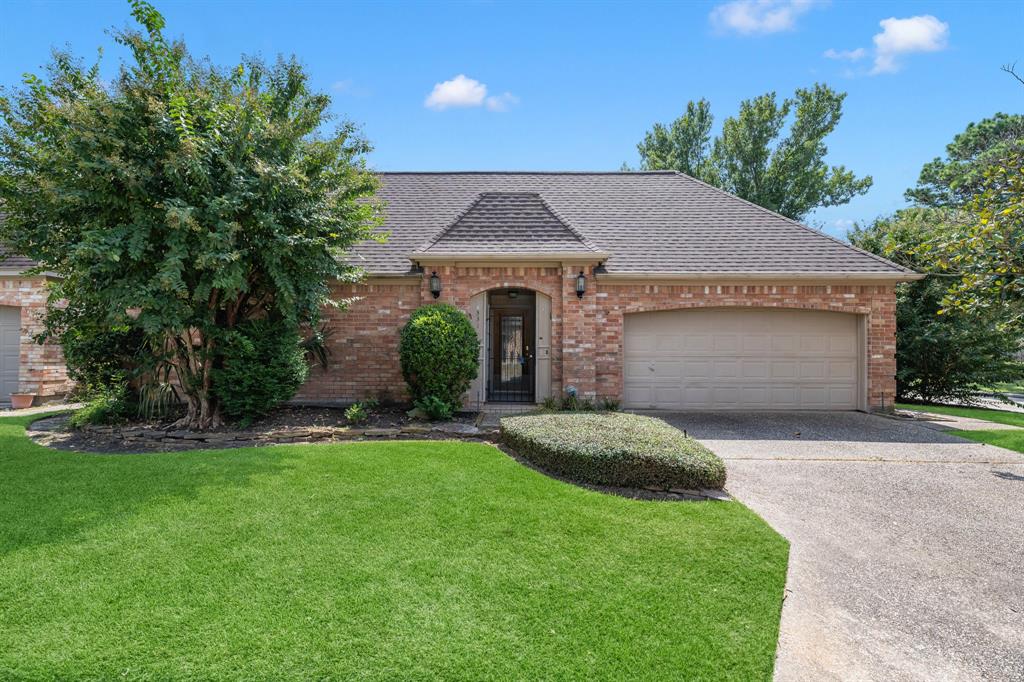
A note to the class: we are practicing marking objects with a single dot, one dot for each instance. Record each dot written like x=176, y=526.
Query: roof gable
x=507, y=223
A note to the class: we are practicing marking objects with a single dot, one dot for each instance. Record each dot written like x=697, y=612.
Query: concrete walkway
x=907, y=558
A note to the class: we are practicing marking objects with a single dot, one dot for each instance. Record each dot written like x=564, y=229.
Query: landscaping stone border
x=50, y=432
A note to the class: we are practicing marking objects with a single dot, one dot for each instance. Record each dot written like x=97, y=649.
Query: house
x=649, y=288
x=26, y=366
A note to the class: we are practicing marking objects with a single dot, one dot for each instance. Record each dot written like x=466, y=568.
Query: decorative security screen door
x=511, y=357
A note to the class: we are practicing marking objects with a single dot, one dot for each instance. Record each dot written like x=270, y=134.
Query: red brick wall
x=364, y=344
x=41, y=370
x=586, y=334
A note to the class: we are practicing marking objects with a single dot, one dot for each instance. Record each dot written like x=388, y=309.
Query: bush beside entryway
x=614, y=449
x=438, y=351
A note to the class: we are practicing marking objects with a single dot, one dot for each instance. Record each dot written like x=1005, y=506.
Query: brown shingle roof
x=648, y=222
x=507, y=222
x=10, y=261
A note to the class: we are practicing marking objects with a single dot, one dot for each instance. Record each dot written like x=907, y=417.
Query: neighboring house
x=26, y=366
x=691, y=298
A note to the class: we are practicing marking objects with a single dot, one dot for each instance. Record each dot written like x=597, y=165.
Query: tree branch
x=1012, y=70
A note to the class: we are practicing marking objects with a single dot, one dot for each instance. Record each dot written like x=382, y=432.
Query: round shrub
x=263, y=366
x=614, y=449
x=438, y=352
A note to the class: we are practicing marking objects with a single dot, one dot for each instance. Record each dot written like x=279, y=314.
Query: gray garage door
x=10, y=348
x=742, y=359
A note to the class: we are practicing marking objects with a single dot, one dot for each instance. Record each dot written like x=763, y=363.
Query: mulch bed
x=292, y=424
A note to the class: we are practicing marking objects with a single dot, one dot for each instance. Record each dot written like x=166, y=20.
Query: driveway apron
x=907, y=558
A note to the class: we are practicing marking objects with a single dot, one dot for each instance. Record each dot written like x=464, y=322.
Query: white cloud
x=462, y=91
x=903, y=36
x=501, y=102
x=846, y=55
x=749, y=17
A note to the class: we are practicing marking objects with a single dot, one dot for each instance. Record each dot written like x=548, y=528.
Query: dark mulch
x=61, y=436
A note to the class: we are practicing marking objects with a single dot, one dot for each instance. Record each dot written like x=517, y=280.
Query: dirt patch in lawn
x=295, y=424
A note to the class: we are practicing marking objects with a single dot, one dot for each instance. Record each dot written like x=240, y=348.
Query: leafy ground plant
x=374, y=560
x=614, y=449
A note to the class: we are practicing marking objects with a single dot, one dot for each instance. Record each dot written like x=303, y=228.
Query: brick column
x=882, y=350
x=579, y=332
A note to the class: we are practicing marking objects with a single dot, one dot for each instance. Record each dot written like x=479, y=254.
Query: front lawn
x=1011, y=439
x=374, y=560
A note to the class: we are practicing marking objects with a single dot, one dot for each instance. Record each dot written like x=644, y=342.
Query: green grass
x=1004, y=438
x=1009, y=387
x=374, y=560
x=997, y=416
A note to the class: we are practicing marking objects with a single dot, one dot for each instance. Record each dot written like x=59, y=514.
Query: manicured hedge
x=614, y=449
x=438, y=351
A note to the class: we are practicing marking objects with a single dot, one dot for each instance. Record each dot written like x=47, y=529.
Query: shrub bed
x=614, y=449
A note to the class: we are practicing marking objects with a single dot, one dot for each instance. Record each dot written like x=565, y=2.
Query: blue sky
x=573, y=86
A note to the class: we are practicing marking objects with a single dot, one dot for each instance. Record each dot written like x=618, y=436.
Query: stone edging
x=128, y=436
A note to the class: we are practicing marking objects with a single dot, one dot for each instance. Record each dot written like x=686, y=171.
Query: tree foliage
x=182, y=199
x=956, y=179
x=939, y=357
x=756, y=156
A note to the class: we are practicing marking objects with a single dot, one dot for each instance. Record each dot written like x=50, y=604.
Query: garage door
x=742, y=359
x=10, y=347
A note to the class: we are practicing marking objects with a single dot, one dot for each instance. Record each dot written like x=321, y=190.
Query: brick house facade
x=646, y=244
x=693, y=298
x=40, y=370
x=587, y=333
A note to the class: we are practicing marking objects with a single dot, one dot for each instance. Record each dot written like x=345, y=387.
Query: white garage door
x=10, y=348
x=742, y=359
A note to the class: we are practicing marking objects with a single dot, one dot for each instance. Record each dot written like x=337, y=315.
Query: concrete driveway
x=907, y=559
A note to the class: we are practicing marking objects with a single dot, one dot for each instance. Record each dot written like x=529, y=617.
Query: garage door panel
x=746, y=358
x=726, y=343
x=842, y=369
x=10, y=351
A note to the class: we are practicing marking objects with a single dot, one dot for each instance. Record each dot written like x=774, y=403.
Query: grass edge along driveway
x=1011, y=439
x=375, y=560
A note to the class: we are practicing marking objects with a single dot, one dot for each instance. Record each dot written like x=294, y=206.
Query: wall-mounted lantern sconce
x=435, y=285
x=581, y=285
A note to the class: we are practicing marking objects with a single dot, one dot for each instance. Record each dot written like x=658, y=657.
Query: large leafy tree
x=986, y=250
x=182, y=199
x=941, y=354
x=772, y=153
x=957, y=178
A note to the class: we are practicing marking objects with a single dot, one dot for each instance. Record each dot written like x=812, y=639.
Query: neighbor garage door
x=742, y=359
x=10, y=348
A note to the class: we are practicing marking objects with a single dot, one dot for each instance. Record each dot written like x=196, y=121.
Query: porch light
x=581, y=285
x=435, y=285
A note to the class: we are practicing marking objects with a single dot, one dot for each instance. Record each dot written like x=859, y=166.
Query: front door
x=512, y=356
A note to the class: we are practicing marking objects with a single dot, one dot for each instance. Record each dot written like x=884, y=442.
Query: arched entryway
x=514, y=328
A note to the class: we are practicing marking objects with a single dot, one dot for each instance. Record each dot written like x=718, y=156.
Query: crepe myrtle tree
x=181, y=197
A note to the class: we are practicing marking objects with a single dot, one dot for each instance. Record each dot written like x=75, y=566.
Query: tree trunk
x=202, y=411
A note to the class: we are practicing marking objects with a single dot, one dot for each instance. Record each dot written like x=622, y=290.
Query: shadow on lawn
x=49, y=496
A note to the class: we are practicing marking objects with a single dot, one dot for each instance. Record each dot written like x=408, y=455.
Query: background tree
x=957, y=178
x=182, y=199
x=986, y=250
x=940, y=356
x=754, y=159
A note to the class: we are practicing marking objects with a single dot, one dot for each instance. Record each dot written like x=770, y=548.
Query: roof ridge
x=458, y=216
x=568, y=225
x=794, y=222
